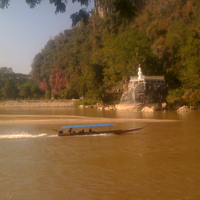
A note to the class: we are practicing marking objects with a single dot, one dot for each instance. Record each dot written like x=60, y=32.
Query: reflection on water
x=161, y=161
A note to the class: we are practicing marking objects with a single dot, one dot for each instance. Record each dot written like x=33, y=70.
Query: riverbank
x=72, y=103
x=38, y=103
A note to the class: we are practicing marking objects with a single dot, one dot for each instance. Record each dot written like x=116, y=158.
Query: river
x=161, y=161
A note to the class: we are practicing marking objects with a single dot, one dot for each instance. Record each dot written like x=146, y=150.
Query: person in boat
x=69, y=131
x=82, y=131
x=60, y=131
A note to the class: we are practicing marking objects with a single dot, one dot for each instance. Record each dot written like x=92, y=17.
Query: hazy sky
x=24, y=31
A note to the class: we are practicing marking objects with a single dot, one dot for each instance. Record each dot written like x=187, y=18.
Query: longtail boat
x=70, y=132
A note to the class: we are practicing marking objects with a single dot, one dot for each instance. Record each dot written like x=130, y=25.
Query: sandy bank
x=38, y=103
x=70, y=119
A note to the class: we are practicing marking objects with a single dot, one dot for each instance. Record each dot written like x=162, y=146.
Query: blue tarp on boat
x=89, y=125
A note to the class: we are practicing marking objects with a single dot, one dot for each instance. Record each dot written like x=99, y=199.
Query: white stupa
x=140, y=75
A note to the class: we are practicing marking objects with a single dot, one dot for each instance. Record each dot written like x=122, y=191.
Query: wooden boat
x=91, y=132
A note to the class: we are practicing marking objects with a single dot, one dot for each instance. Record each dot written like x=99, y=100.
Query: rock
x=164, y=105
x=99, y=107
x=89, y=106
x=109, y=108
x=81, y=106
x=192, y=108
x=147, y=109
x=183, y=109
x=136, y=107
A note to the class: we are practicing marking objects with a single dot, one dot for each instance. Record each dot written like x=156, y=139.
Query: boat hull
x=100, y=132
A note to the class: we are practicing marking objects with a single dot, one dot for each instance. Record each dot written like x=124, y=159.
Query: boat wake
x=21, y=135
x=50, y=136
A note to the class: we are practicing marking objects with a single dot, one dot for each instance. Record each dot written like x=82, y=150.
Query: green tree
x=69, y=93
x=25, y=91
x=189, y=64
x=36, y=91
x=5, y=74
x=122, y=55
x=9, y=91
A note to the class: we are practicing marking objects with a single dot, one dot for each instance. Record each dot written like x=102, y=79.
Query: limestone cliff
x=103, y=7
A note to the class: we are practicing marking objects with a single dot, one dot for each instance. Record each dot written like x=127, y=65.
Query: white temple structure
x=145, y=89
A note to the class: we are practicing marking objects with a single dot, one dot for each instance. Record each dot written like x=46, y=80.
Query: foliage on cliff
x=96, y=59
x=91, y=60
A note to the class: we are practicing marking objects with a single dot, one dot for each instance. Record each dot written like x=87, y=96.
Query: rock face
x=139, y=107
x=183, y=109
x=147, y=109
x=102, y=8
x=136, y=107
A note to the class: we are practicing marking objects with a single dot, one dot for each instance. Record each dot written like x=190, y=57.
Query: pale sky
x=24, y=31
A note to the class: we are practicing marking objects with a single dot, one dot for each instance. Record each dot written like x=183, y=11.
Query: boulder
x=109, y=108
x=135, y=107
x=183, y=109
x=192, y=107
x=81, y=106
x=147, y=109
x=164, y=105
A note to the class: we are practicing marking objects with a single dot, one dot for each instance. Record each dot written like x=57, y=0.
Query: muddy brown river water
x=162, y=161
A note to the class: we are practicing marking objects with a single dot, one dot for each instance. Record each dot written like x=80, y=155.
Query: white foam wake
x=21, y=135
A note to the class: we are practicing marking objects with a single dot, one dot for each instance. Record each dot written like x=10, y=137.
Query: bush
x=69, y=93
x=48, y=95
x=179, y=92
x=175, y=97
x=87, y=102
x=195, y=98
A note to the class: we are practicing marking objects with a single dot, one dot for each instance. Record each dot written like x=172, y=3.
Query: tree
x=5, y=75
x=36, y=91
x=59, y=4
x=189, y=63
x=126, y=8
x=78, y=16
x=122, y=54
x=10, y=91
x=25, y=91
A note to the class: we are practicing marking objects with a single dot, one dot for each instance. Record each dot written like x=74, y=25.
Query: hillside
x=96, y=60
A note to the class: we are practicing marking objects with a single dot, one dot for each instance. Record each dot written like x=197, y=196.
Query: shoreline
x=37, y=103
x=71, y=103
x=71, y=119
